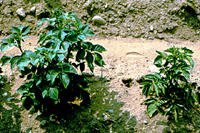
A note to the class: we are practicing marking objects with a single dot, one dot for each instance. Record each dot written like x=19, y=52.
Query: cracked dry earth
x=125, y=58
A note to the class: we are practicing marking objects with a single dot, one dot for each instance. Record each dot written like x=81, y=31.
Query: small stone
x=21, y=12
x=197, y=32
x=5, y=94
x=151, y=38
x=108, y=79
x=196, y=78
x=151, y=27
x=99, y=20
x=111, y=111
x=145, y=122
x=87, y=4
x=33, y=9
x=11, y=98
x=29, y=116
x=105, y=117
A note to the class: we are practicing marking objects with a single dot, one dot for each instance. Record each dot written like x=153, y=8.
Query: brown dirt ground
x=125, y=58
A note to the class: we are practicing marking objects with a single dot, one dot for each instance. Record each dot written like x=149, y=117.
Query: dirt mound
x=175, y=19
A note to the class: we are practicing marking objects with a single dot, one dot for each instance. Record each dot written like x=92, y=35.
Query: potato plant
x=51, y=73
x=169, y=91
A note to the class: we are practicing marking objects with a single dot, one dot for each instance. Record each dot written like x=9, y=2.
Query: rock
x=29, y=116
x=21, y=12
x=87, y=4
x=33, y=9
x=5, y=94
x=151, y=38
x=151, y=27
x=99, y=20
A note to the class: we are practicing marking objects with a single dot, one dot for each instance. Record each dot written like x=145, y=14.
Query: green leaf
x=4, y=47
x=66, y=45
x=176, y=114
x=187, y=50
x=43, y=20
x=65, y=80
x=90, y=33
x=80, y=55
x=87, y=45
x=23, y=62
x=85, y=28
x=5, y=60
x=53, y=93
x=151, y=109
x=82, y=66
x=38, y=81
x=90, y=59
x=61, y=57
x=156, y=88
x=44, y=93
x=51, y=75
x=162, y=54
x=158, y=61
x=22, y=89
x=98, y=48
x=14, y=61
x=67, y=68
x=41, y=37
x=63, y=35
x=186, y=74
x=82, y=37
x=25, y=30
x=16, y=30
x=190, y=61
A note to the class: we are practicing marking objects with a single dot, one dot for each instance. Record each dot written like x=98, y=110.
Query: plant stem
x=19, y=45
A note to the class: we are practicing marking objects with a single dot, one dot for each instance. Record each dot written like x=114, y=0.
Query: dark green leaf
x=187, y=50
x=85, y=28
x=51, y=75
x=65, y=80
x=4, y=47
x=25, y=30
x=186, y=74
x=41, y=37
x=162, y=54
x=89, y=33
x=23, y=62
x=98, y=48
x=190, y=61
x=53, y=93
x=156, y=88
x=14, y=61
x=5, y=60
x=80, y=55
x=82, y=66
x=22, y=89
x=87, y=45
x=16, y=30
x=67, y=68
x=38, y=81
x=43, y=20
x=158, y=61
x=90, y=59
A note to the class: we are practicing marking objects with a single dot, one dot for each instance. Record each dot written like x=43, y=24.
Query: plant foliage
x=51, y=73
x=169, y=91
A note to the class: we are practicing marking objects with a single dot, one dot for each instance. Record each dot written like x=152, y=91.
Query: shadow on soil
x=9, y=111
x=103, y=115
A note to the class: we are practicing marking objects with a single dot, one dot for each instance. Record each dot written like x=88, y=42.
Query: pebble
x=5, y=94
x=87, y=4
x=98, y=20
x=21, y=12
x=151, y=28
x=196, y=78
x=33, y=9
x=151, y=38
x=29, y=116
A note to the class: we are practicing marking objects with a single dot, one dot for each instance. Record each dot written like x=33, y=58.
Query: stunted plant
x=169, y=91
x=51, y=73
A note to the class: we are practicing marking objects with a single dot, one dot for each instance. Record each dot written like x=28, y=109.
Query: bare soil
x=114, y=106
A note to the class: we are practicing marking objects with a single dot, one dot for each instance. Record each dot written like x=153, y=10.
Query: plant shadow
x=189, y=122
x=9, y=111
x=102, y=115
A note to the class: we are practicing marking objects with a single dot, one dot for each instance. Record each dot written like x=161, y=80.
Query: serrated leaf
x=98, y=48
x=80, y=55
x=152, y=109
x=51, y=75
x=4, y=47
x=44, y=93
x=53, y=93
x=90, y=59
x=65, y=80
x=14, y=61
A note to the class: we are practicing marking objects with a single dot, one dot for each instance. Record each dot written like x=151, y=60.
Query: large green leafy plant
x=169, y=91
x=51, y=73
